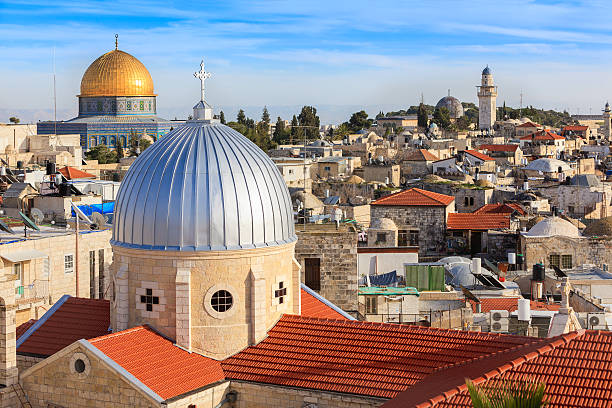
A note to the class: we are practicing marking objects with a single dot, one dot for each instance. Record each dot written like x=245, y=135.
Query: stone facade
x=337, y=251
x=471, y=199
x=585, y=202
x=429, y=220
x=184, y=283
x=266, y=396
x=583, y=250
x=499, y=244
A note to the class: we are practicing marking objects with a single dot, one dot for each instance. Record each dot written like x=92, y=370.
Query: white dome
x=548, y=165
x=554, y=227
x=203, y=187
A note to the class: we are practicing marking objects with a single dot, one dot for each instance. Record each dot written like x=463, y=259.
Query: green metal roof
x=390, y=291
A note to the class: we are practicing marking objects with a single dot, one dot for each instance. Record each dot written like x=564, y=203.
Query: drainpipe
x=230, y=397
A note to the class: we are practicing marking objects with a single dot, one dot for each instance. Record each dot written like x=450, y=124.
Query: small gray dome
x=203, y=187
x=554, y=227
x=486, y=71
x=453, y=105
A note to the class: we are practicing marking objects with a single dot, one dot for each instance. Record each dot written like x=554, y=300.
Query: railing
x=444, y=319
x=36, y=290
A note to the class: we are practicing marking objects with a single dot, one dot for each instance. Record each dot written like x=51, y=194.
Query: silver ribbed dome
x=453, y=105
x=203, y=187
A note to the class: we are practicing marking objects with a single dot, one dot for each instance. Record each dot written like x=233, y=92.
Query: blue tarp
x=106, y=208
x=386, y=279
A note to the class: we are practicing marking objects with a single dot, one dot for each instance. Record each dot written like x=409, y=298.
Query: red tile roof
x=415, y=197
x=313, y=307
x=529, y=125
x=160, y=365
x=23, y=327
x=421, y=155
x=71, y=173
x=543, y=135
x=479, y=155
x=509, y=304
x=471, y=221
x=499, y=147
x=576, y=127
x=72, y=320
x=355, y=357
x=576, y=368
x=500, y=209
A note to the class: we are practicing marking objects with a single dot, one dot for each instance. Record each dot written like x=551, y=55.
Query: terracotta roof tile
x=74, y=319
x=498, y=208
x=479, y=155
x=509, y=304
x=576, y=127
x=160, y=365
x=421, y=155
x=23, y=327
x=576, y=368
x=499, y=147
x=356, y=357
x=415, y=197
x=71, y=173
x=313, y=307
x=529, y=125
x=543, y=135
x=471, y=221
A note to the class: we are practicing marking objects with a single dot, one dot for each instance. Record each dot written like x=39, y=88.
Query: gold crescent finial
x=116, y=41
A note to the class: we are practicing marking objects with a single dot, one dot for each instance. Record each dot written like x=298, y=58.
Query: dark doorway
x=312, y=273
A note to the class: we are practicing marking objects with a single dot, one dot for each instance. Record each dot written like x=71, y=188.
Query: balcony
x=39, y=289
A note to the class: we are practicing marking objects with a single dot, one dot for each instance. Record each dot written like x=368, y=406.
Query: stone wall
x=337, y=251
x=499, y=244
x=25, y=362
x=268, y=396
x=429, y=220
x=476, y=198
x=595, y=251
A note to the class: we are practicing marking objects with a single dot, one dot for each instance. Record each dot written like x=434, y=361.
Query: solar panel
x=469, y=295
x=558, y=272
x=5, y=227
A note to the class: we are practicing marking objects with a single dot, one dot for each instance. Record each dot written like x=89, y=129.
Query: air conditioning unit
x=500, y=320
x=597, y=321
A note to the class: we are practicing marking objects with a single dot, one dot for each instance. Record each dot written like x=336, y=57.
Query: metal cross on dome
x=202, y=76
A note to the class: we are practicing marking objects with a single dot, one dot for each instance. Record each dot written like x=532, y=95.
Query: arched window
x=102, y=140
x=113, y=141
x=93, y=142
x=123, y=141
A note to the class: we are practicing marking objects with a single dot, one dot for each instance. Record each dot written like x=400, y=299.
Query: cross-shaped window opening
x=281, y=292
x=149, y=300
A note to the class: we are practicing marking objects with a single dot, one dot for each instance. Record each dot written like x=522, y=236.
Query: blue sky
x=333, y=54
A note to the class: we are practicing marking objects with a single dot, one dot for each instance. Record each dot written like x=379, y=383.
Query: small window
x=68, y=263
x=149, y=300
x=312, y=273
x=79, y=366
x=402, y=238
x=413, y=237
x=17, y=270
x=471, y=200
x=381, y=237
x=467, y=201
x=290, y=171
x=371, y=305
x=222, y=301
x=566, y=262
x=280, y=293
x=327, y=168
x=555, y=260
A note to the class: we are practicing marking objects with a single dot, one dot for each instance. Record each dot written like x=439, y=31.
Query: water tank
x=538, y=273
x=524, y=310
x=19, y=164
x=50, y=167
x=476, y=265
x=511, y=258
x=525, y=185
x=2, y=171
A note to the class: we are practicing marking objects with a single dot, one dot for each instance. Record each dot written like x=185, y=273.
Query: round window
x=79, y=366
x=221, y=301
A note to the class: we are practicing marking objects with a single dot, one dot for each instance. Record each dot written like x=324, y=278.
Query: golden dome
x=117, y=73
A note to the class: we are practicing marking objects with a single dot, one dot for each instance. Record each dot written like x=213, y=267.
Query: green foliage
x=102, y=154
x=508, y=394
x=265, y=116
x=119, y=149
x=549, y=118
x=294, y=127
x=222, y=118
x=442, y=118
x=359, y=120
x=137, y=142
x=422, y=116
x=281, y=135
x=341, y=131
x=308, y=117
x=14, y=120
x=241, y=117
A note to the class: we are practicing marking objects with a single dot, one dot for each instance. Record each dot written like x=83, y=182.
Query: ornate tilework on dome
x=203, y=187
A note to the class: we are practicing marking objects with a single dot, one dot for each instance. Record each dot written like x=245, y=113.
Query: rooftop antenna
x=448, y=91
x=54, y=103
x=116, y=41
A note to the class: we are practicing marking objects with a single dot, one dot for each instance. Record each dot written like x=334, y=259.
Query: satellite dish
x=28, y=223
x=37, y=216
x=4, y=227
x=99, y=221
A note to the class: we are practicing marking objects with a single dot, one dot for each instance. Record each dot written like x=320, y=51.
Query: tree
x=138, y=143
x=308, y=117
x=294, y=127
x=265, y=116
x=422, y=116
x=508, y=394
x=222, y=117
x=441, y=117
x=14, y=120
x=341, y=131
x=359, y=120
x=241, y=117
x=119, y=149
x=102, y=154
x=280, y=135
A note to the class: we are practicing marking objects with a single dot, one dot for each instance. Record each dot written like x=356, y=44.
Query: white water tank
x=476, y=264
x=524, y=310
x=511, y=258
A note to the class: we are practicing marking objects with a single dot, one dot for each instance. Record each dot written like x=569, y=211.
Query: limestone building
x=487, y=97
x=607, y=128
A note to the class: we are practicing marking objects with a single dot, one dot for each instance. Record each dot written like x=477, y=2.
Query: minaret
x=487, y=96
x=607, y=115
